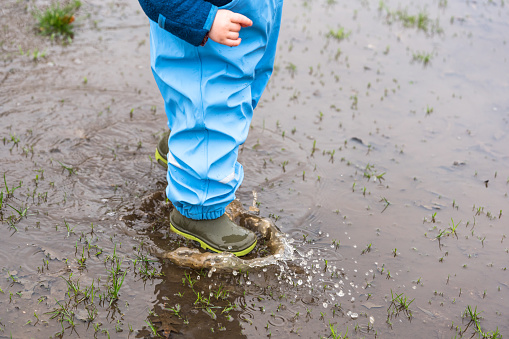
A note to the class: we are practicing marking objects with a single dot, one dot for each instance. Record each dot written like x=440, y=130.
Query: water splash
x=278, y=244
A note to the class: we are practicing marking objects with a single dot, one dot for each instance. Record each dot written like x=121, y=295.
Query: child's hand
x=226, y=27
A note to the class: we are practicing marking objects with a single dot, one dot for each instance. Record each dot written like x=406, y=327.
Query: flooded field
x=379, y=148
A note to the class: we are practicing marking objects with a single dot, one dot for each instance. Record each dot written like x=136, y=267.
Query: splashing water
x=277, y=242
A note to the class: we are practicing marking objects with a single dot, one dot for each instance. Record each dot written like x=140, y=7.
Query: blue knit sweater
x=189, y=20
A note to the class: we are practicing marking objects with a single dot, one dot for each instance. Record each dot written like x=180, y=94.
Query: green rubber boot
x=218, y=235
x=162, y=150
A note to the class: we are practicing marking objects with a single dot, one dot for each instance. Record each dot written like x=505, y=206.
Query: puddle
x=276, y=246
x=377, y=156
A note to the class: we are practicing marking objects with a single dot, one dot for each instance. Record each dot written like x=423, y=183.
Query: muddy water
x=365, y=156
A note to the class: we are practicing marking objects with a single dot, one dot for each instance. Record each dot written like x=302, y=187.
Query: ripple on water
x=19, y=257
x=317, y=249
x=277, y=321
x=310, y=300
x=247, y=317
x=255, y=289
x=4, y=251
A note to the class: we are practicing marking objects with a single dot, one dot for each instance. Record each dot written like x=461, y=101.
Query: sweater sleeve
x=188, y=20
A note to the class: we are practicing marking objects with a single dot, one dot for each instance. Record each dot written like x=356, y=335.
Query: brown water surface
x=379, y=147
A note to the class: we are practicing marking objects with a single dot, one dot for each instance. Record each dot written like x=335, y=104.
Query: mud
x=380, y=150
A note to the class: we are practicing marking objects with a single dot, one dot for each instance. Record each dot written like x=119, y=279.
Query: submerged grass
x=11, y=191
x=422, y=57
x=335, y=334
x=475, y=322
x=56, y=21
x=399, y=304
x=339, y=34
x=421, y=20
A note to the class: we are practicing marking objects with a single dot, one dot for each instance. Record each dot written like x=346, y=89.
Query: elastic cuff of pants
x=199, y=212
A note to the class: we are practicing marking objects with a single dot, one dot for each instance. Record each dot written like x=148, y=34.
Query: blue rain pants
x=210, y=93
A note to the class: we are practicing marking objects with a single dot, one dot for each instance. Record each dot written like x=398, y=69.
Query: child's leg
x=265, y=66
x=209, y=103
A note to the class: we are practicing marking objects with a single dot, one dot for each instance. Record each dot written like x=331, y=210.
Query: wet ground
x=379, y=147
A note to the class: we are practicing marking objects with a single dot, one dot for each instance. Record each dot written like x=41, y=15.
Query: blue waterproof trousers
x=210, y=93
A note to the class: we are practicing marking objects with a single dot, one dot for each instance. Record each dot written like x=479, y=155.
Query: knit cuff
x=210, y=18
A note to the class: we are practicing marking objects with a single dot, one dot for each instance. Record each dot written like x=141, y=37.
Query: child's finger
x=234, y=27
x=232, y=35
x=232, y=43
x=242, y=20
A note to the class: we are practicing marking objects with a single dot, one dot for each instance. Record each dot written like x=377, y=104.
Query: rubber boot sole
x=206, y=246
